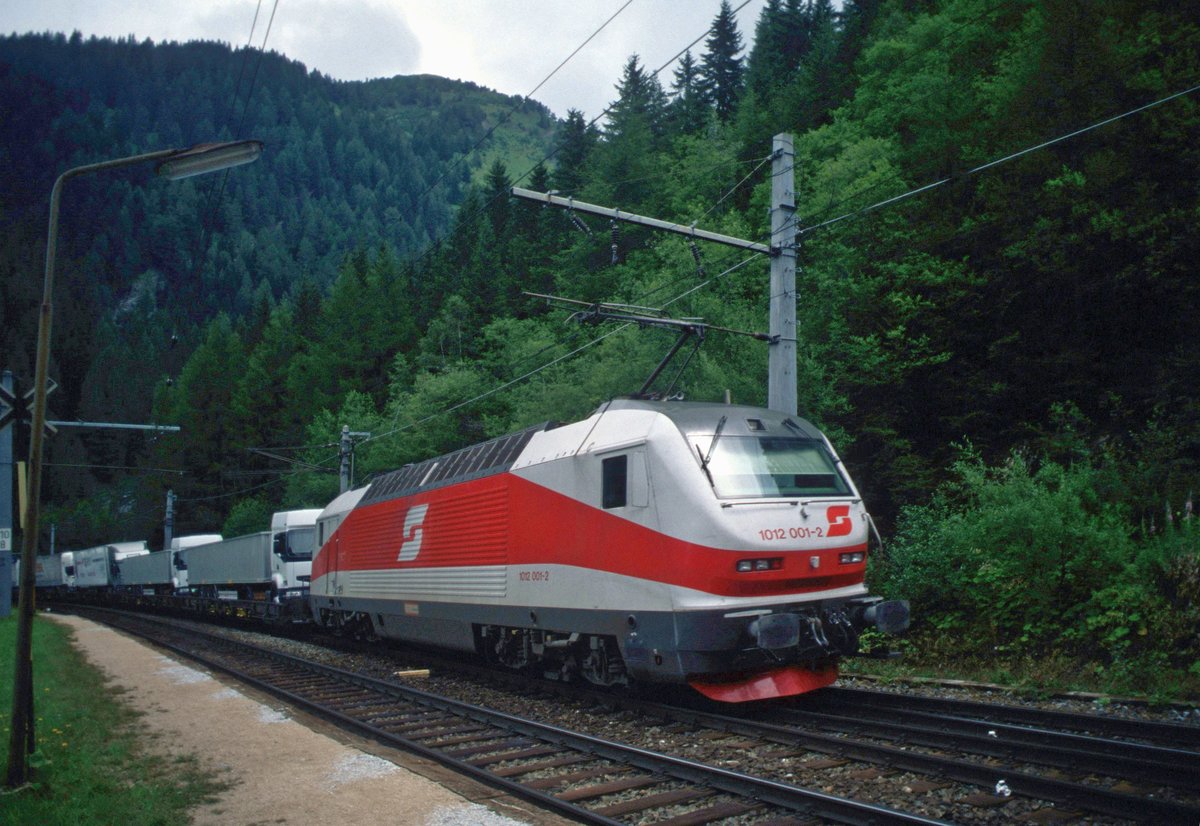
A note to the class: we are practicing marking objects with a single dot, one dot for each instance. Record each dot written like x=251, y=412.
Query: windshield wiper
x=704, y=460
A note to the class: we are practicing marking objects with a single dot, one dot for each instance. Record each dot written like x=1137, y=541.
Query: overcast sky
x=506, y=45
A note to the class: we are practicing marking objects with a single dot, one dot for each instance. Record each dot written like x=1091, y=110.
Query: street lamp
x=172, y=164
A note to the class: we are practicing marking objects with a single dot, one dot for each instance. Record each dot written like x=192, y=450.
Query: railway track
x=833, y=756
x=950, y=711
x=580, y=776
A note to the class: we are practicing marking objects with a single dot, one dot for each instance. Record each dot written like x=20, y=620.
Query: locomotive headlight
x=852, y=558
x=745, y=566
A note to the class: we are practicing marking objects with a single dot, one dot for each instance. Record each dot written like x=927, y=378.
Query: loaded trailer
x=50, y=572
x=265, y=565
x=99, y=567
x=152, y=573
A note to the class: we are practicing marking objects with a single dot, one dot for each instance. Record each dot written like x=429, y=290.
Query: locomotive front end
x=785, y=538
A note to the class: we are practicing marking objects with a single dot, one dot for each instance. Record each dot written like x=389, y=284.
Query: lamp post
x=172, y=164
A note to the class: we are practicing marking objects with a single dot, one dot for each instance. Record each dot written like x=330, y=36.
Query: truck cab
x=293, y=542
x=67, y=561
x=178, y=563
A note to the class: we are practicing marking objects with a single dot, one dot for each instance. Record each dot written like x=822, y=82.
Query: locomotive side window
x=774, y=466
x=614, y=472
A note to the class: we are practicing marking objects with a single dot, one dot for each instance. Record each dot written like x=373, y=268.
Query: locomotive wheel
x=603, y=665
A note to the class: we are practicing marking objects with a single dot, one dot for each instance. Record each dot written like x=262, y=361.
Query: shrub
x=1007, y=557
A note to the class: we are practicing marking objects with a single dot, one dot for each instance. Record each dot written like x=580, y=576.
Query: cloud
x=348, y=41
x=374, y=41
x=507, y=45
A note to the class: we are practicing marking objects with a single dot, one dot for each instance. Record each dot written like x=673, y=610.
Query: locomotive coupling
x=830, y=631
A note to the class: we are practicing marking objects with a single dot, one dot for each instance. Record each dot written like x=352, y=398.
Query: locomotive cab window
x=773, y=466
x=614, y=472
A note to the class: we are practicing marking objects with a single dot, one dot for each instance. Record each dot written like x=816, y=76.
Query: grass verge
x=93, y=764
x=931, y=656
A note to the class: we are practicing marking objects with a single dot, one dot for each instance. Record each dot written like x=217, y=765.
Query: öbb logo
x=413, y=532
x=840, y=523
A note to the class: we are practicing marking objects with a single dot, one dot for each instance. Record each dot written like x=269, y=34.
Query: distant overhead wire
x=237, y=134
x=656, y=73
x=997, y=161
x=749, y=259
x=146, y=470
x=504, y=119
x=216, y=187
x=282, y=477
x=553, y=152
x=257, y=66
x=761, y=162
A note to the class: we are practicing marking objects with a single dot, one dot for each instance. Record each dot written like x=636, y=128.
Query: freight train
x=719, y=546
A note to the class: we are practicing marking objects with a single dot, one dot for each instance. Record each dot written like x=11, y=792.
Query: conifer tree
x=576, y=141
x=721, y=68
x=498, y=197
x=623, y=165
x=797, y=27
x=817, y=89
x=640, y=105
x=765, y=65
x=855, y=21
x=689, y=109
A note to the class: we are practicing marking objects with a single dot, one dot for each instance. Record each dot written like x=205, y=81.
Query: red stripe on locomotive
x=504, y=519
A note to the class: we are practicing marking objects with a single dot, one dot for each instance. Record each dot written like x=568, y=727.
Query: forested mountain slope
x=145, y=264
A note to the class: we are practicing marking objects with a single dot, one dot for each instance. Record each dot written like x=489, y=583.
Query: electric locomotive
x=720, y=546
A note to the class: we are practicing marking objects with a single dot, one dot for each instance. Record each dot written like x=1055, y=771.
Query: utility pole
x=344, y=466
x=6, y=498
x=346, y=453
x=781, y=359
x=169, y=521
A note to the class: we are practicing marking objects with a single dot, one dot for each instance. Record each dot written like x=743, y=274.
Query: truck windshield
x=300, y=543
x=773, y=466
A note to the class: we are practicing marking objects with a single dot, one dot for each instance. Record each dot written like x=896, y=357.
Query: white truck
x=99, y=567
x=182, y=543
x=263, y=565
x=160, y=572
x=50, y=571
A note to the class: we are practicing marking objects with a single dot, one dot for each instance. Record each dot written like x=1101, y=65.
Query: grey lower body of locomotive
x=655, y=646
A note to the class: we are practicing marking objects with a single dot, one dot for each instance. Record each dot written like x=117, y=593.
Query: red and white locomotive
x=716, y=545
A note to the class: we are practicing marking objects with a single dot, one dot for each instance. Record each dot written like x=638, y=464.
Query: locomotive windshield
x=772, y=466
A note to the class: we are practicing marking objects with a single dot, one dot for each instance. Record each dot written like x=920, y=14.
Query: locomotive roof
x=484, y=459
x=498, y=455
x=740, y=419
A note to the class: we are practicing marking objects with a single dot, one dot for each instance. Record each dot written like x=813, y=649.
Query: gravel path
x=283, y=770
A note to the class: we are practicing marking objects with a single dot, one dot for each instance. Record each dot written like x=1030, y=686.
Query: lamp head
x=209, y=157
